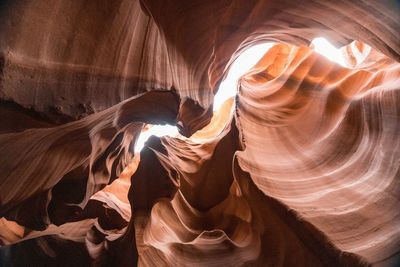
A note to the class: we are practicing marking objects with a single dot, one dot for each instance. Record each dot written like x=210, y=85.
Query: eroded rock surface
x=304, y=171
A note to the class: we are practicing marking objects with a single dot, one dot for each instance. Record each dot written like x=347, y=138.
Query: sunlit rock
x=199, y=133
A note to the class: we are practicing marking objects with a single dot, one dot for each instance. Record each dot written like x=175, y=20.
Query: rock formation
x=300, y=168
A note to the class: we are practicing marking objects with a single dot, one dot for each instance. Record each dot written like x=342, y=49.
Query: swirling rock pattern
x=325, y=136
x=303, y=172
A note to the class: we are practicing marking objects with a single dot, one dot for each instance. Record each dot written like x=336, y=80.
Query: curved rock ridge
x=74, y=160
x=301, y=168
x=219, y=216
x=324, y=140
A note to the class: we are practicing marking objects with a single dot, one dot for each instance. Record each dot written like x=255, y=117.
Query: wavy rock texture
x=303, y=172
x=321, y=125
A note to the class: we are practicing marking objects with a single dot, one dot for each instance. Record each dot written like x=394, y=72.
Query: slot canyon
x=200, y=133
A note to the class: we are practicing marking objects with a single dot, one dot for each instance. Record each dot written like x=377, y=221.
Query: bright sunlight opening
x=326, y=49
x=246, y=60
x=156, y=130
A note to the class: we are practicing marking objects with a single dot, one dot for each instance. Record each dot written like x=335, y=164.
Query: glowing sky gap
x=156, y=130
x=326, y=49
x=246, y=60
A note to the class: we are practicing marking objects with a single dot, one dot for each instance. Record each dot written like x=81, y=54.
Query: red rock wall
x=304, y=173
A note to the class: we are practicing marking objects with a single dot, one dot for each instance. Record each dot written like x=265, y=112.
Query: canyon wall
x=303, y=172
